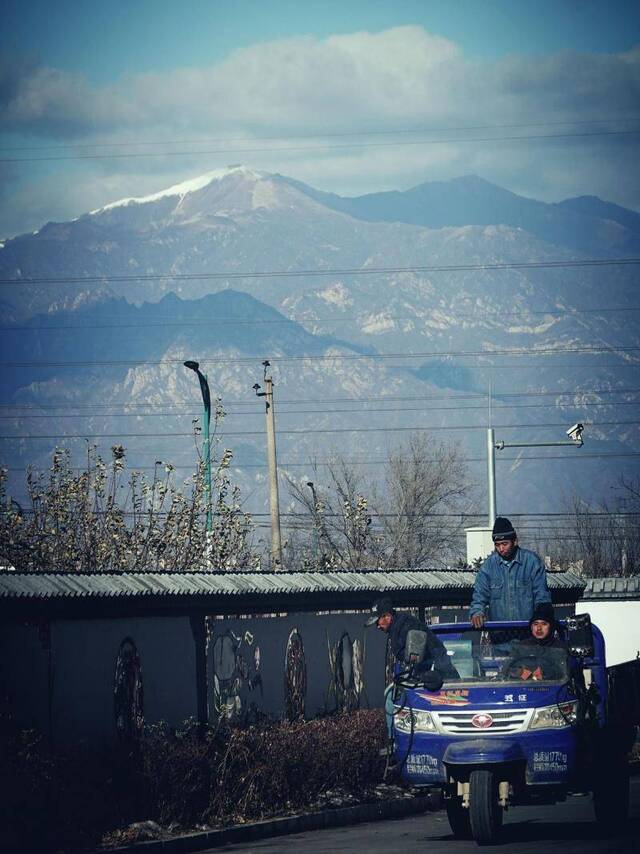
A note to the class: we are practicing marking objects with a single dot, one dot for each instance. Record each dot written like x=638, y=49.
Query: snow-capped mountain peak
x=191, y=185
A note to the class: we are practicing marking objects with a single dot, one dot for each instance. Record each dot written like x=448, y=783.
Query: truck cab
x=520, y=723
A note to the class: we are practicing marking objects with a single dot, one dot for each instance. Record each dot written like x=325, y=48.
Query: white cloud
x=398, y=79
x=401, y=75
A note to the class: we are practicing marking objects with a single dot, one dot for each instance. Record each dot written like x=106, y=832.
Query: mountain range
x=419, y=302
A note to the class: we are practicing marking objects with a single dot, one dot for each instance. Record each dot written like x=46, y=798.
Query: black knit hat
x=503, y=530
x=543, y=611
x=380, y=607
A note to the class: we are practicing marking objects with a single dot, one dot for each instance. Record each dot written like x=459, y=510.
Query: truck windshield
x=504, y=655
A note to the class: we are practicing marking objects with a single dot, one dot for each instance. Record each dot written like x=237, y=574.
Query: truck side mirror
x=415, y=647
x=580, y=636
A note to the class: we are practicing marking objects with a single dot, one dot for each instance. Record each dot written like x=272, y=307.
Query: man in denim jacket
x=511, y=582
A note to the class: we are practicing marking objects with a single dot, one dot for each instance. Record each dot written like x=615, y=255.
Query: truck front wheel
x=485, y=813
x=458, y=817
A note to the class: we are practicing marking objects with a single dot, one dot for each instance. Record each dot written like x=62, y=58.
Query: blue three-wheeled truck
x=521, y=724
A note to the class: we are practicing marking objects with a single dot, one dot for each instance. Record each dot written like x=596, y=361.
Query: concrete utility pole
x=274, y=501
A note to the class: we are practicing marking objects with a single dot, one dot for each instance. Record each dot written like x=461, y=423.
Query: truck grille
x=511, y=720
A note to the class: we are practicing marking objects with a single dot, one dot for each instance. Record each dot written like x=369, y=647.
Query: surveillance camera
x=256, y=386
x=575, y=432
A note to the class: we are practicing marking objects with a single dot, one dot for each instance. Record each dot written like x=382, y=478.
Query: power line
x=346, y=271
x=372, y=462
x=326, y=411
x=310, y=320
x=325, y=147
x=196, y=404
x=305, y=431
x=370, y=132
x=304, y=516
x=244, y=360
x=374, y=514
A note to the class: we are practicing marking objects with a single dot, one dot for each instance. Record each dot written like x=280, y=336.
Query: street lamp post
x=206, y=445
x=315, y=536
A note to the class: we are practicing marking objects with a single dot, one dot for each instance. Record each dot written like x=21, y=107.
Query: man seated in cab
x=511, y=582
x=541, y=655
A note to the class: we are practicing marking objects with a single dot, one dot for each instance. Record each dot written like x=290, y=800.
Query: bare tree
x=426, y=483
x=337, y=516
x=603, y=539
x=408, y=519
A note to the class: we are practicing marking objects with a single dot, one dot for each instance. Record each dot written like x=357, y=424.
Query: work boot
x=391, y=770
x=387, y=750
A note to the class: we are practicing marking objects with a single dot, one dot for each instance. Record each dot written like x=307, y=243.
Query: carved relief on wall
x=346, y=658
x=237, y=681
x=128, y=692
x=295, y=677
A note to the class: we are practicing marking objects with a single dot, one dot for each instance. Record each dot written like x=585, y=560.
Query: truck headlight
x=558, y=715
x=422, y=721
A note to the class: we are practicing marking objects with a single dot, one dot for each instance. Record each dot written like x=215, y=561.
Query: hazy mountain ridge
x=583, y=224
x=249, y=222
x=595, y=207
x=244, y=222
x=115, y=330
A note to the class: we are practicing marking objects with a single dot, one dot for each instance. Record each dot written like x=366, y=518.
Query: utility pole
x=274, y=501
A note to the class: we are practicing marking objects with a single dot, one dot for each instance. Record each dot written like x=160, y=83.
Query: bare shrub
x=189, y=776
x=97, y=520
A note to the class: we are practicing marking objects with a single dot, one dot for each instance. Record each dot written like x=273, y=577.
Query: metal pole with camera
x=491, y=475
x=575, y=440
x=274, y=501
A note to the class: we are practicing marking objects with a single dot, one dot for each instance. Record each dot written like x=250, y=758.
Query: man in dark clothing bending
x=385, y=617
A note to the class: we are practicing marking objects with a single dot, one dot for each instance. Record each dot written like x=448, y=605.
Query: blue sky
x=82, y=74
x=108, y=39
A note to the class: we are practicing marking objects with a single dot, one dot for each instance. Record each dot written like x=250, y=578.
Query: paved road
x=528, y=830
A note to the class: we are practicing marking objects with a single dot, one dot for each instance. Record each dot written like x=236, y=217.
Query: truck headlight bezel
x=558, y=715
x=422, y=720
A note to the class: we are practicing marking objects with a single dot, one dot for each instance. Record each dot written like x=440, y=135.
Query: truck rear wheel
x=485, y=813
x=458, y=816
